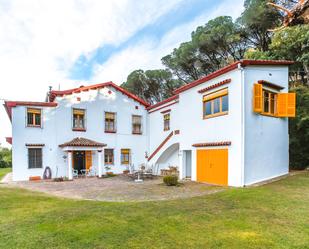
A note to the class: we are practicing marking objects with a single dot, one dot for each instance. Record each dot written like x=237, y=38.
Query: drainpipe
x=243, y=110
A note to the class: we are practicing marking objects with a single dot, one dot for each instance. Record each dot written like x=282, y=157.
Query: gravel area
x=119, y=188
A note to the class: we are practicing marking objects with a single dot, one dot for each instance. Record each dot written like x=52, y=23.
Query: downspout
x=243, y=111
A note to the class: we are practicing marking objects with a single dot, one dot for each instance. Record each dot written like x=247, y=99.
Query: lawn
x=4, y=171
x=270, y=216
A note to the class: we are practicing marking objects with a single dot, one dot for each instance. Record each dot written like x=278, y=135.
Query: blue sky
x=68, y=43
x=184, y=13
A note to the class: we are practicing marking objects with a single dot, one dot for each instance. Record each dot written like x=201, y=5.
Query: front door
x=79, y=160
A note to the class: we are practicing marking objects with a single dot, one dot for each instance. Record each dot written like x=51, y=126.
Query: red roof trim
x=229, y=68
x=221, y=83
x=173, y=103
x=160, y=146
x=8, y=105
x=9, y=140
x=54, y=94
x=224, y=143
x=166, y=111
x=271, y=85
x=174, y=97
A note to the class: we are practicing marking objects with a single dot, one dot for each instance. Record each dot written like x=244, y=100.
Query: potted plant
x=108, y=172
x=126, y=171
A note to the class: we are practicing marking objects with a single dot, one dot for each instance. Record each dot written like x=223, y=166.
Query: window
x=166, y=119
x=216, y=104
x=125, y=156
x=269, y=102
x=34, y=158
x=110, y=122
x=79, y=119
x=34, y=117
x=274, y=104
x=109, y=156
x=136, y=124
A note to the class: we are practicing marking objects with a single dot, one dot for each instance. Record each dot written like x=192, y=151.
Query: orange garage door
x=212, y=166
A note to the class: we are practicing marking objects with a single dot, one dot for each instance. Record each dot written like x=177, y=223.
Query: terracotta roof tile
x=80, y=141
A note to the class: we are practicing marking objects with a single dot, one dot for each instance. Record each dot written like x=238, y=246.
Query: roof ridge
x=55, y=93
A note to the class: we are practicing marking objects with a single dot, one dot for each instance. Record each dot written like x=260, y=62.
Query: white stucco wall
x=57, y=129
x=195, y=129
x=266, y=138
x=157, y=134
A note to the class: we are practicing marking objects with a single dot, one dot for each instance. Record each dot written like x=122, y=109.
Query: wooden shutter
x=286, y=104
x=257, y=98
x=216, y=94
x=78, y=112
x=88, y=159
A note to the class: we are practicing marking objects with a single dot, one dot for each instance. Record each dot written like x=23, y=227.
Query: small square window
x=34, y=117
x=136, y=124
x=79, y=119
x=108, y=156
x=125, y=156
x=166, y=118
x=110, y=122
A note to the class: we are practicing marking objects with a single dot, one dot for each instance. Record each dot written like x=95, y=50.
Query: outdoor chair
x=91, y=171
x=75, y=173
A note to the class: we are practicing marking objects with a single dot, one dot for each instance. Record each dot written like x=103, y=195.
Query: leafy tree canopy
x=151, y=85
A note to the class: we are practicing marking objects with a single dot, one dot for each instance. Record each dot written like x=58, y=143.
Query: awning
x=82, y=142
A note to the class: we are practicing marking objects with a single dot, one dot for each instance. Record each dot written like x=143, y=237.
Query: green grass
x=4, y=171
x=271, y=216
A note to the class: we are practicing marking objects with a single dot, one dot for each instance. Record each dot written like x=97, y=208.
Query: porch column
x=100, y=162
x=70, y=170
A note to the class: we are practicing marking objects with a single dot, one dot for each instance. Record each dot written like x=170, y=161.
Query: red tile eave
x=8, y=105
x=54, y=94
x=231, y=67
x=9, y=140
x=174, y=97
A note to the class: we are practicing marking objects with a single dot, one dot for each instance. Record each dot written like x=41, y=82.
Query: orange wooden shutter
x=88, y=159
x=286, y=104
x=257, y=98
x=291, y=106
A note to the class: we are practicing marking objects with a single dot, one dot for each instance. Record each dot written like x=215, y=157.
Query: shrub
x=171, y=180
x=299, y=130
x=5, y=158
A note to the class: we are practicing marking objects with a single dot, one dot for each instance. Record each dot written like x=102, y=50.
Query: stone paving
x=119, y=188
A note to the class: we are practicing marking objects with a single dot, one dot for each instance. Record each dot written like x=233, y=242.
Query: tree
x=257, y=19
x=212, y=46
x=151, y=85
x=290, y=43
x=299, y=130
x=219, y=42
x=183, y=62
x=5, y=158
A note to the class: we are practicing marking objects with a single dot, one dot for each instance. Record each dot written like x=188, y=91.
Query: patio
x=118, y=188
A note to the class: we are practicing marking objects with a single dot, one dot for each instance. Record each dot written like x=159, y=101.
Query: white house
x=228, y=128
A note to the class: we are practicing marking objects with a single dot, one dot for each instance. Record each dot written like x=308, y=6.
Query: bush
x=299, y=130
x=171, y=180
x=5, y=158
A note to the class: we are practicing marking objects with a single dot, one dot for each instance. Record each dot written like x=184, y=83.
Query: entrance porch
x=81, y=155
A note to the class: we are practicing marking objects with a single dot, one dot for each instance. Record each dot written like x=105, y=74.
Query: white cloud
x=40, y=40
x=147, y=53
